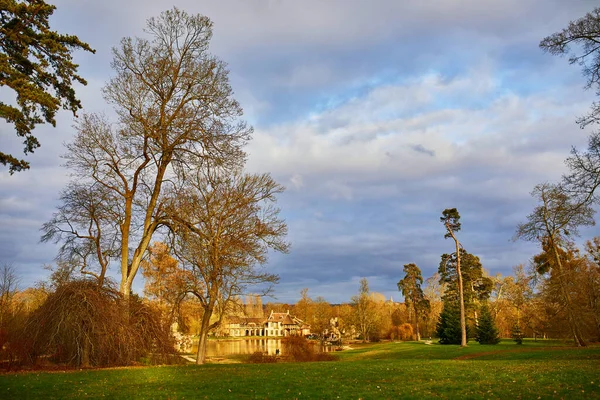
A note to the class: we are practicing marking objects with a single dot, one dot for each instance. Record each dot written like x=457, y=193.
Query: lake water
x=226, y=347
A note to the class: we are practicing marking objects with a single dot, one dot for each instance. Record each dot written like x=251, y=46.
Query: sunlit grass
x=381, y=371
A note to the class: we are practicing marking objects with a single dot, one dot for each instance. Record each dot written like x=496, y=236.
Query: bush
x=297, y=348
x=405, y=332
x=258, y=357
x=82, y=324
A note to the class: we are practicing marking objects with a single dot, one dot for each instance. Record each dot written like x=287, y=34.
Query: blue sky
x=376, y=116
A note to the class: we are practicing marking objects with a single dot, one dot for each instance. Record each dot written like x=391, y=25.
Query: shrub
x=405, y=332
x=297, y=348
x=258, y=357
x=82, y=324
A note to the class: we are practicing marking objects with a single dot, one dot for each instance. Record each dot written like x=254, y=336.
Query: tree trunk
x=463, y=323
x=203, y=337
x=417, y=329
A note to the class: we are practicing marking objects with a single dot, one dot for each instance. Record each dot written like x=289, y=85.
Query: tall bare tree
x=176, y=114
x=224, y=226
x=552, y=223
x=450, y=218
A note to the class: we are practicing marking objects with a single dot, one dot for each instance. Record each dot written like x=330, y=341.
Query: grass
x=377, y=371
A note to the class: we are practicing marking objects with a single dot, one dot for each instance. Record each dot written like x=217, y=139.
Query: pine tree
x=448, y=326
x=487, y=333
x=517, y=334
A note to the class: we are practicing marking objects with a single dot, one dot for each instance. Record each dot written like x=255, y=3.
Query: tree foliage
x=477, y=286
x=448, y=327
x=410, y=286
x=552, y=223
x=36, y=63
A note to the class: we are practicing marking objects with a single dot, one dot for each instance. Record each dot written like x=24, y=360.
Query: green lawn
x=379, y=371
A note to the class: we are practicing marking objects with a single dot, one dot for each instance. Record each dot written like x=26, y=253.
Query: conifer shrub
x=517, y=334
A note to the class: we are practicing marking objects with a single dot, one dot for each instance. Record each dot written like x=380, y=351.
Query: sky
x=375, y=115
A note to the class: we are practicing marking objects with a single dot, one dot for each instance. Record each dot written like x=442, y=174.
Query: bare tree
x=365, y=316
x=8, y=287
x=85, y=224
x=175, y=114
x=224, y=226
x=584, y=33
x=552, y=223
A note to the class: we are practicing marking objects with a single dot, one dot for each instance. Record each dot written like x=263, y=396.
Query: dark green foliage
x=36, y=63
x=486, y=331
x=476, y=285
x=448, y=326
x=517, y=334
x=410, y=286
x=450, y=218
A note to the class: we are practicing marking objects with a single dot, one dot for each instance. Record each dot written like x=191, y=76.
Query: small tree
x=487, y=333
x=517, y=334
x=448, y=326
x=365, y=316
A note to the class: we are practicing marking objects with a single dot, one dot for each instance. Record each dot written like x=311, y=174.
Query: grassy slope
x=381, y=371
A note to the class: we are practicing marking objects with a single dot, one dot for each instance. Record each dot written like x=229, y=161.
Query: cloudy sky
x=376, y=116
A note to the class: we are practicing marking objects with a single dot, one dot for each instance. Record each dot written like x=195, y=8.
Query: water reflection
x=227, y=347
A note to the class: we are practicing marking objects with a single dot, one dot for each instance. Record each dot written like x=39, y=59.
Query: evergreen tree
x=37, y=65
x=487, y=333
x=517, y=334
x=410, y=286
x=448, y=326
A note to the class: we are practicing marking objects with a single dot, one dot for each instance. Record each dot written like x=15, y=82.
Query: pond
x=227, y=347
